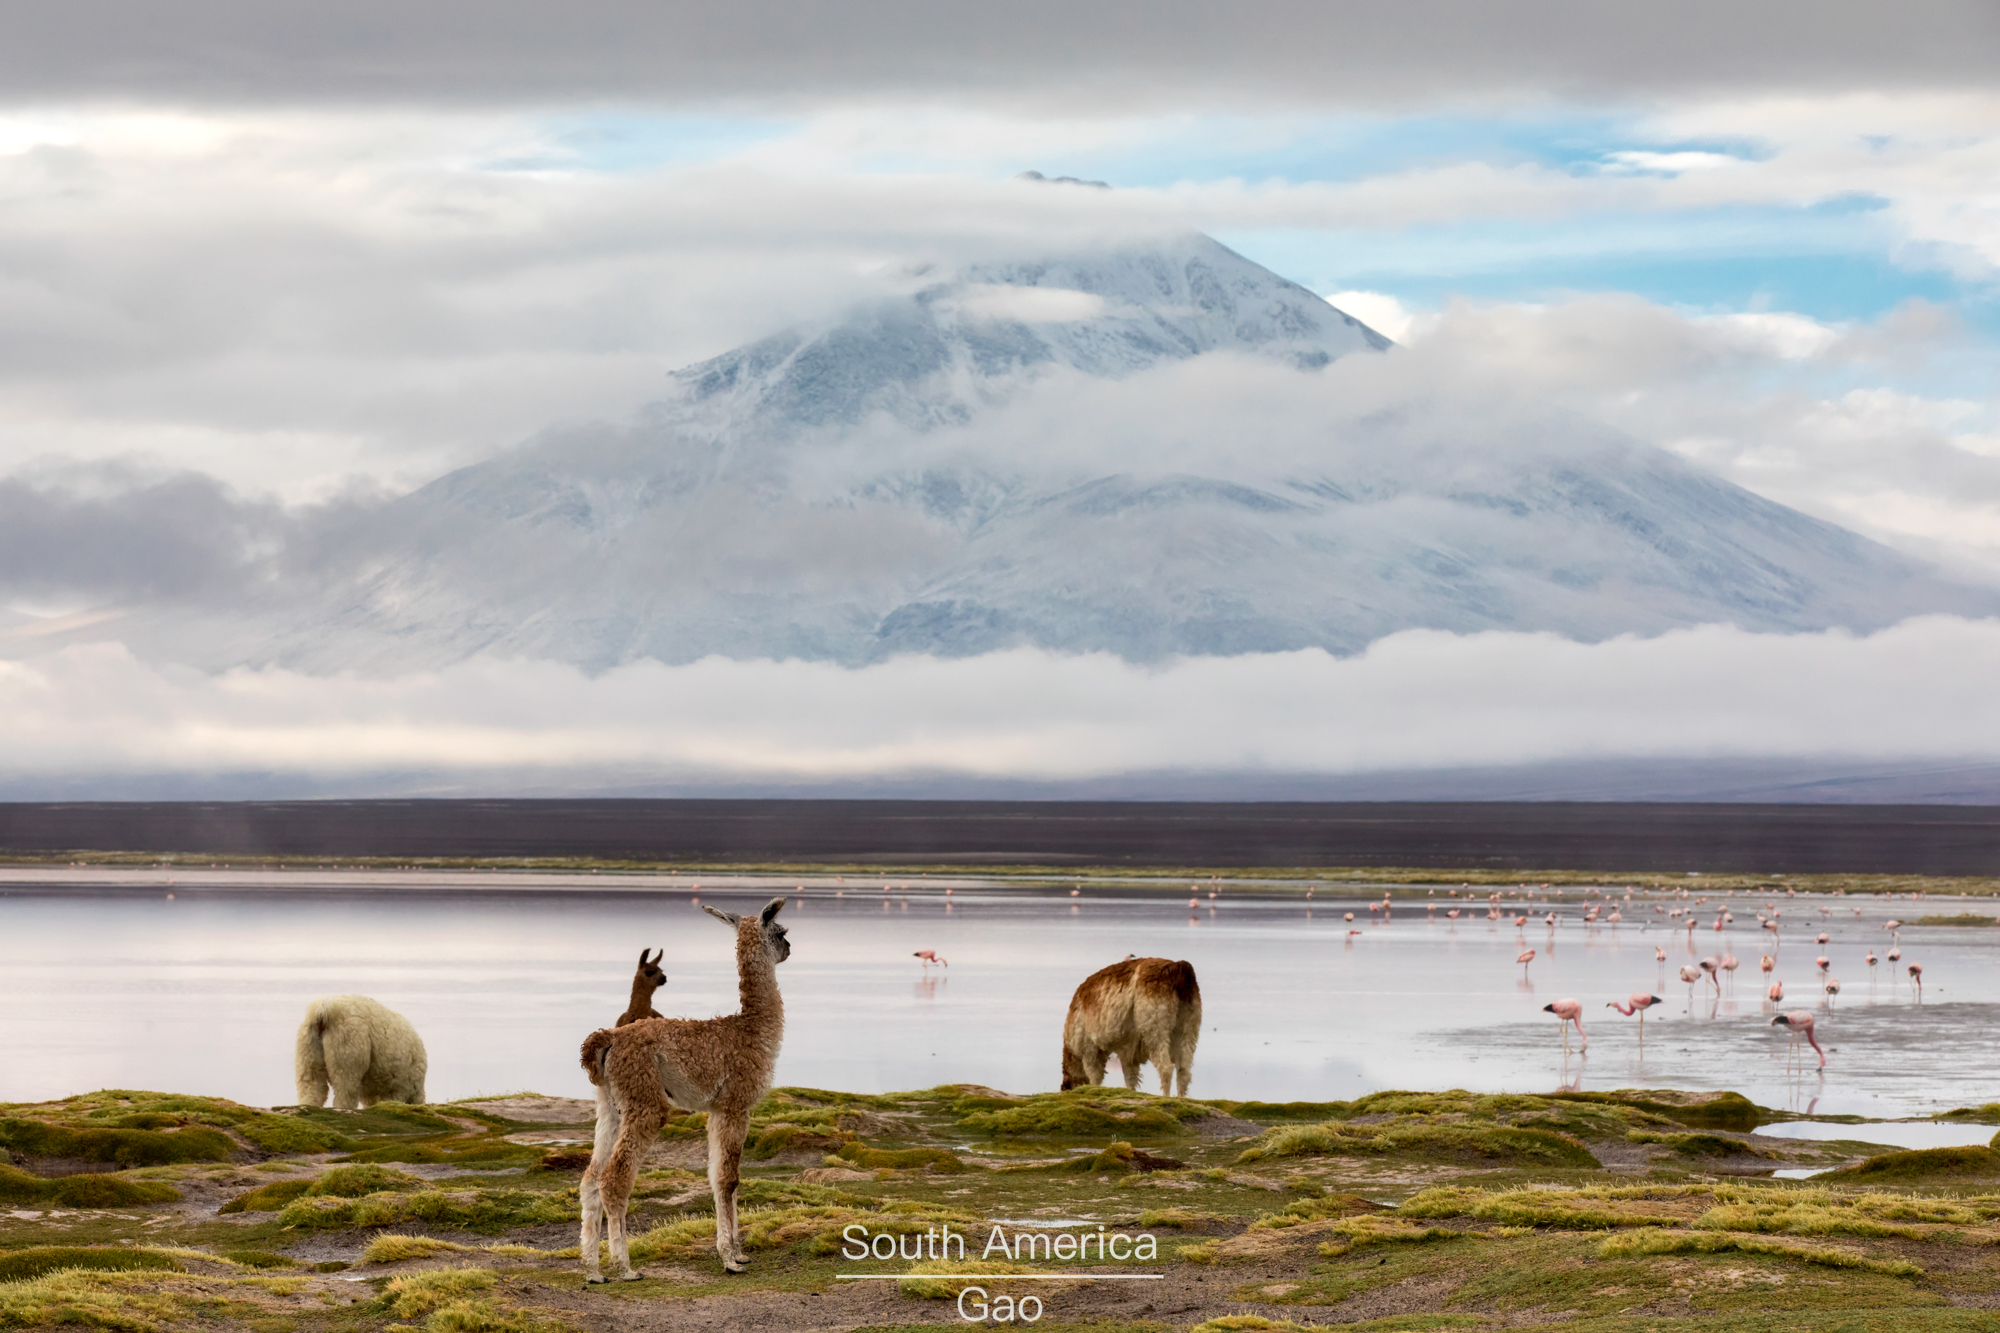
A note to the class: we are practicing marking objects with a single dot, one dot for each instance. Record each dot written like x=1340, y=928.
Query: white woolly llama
x=365, y=1051
x=1139, y=1010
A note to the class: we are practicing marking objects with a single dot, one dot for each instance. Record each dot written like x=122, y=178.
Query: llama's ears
x=770, y=912
x=726, y=918
x=654, y=961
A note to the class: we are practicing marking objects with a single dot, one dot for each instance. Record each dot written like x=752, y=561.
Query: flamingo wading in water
x=1526, y=957
x=1637, y=1003
x=930, y=956
x=1800, y=1023
x=1569, y=1011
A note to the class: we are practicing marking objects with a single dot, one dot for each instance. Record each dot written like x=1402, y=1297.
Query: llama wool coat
x=363, y=1050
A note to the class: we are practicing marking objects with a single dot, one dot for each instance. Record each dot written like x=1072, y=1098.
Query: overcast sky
x=259, y=256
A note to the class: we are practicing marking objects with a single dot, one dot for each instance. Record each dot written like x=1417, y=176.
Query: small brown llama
x=647, y=979
x=646, y=1070
x=1140, y=1010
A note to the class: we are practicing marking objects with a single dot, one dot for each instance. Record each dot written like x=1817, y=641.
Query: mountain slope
x=1156, y=451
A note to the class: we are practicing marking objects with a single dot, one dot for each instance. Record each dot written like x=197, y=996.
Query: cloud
x=776, y=50
x=1416, y=700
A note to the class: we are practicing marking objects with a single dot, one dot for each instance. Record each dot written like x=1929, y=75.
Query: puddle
x=1898, y=1134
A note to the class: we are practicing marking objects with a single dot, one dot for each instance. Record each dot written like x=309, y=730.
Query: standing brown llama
x=1139, y=1010
x=647, y=979
x=647, y=1069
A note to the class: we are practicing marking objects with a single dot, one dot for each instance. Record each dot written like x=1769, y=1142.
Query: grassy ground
x=1398, y=1211
x=1274, y=879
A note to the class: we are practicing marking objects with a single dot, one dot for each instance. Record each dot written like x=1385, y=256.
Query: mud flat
x=1421, y=1210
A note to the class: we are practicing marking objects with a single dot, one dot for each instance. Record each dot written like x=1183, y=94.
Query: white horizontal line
x=1016, y=1277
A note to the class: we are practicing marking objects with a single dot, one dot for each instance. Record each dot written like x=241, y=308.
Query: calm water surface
x=203, y=992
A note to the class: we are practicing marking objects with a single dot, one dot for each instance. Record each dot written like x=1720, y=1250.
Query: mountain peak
x=936, y=356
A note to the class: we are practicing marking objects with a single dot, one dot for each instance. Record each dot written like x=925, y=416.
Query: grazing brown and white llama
x=646, y=1070
x=363, y=1050
x=647, y=979
x=1140, y=1010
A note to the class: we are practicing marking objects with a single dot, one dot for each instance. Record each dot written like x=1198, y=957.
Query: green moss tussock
x=1093, y=1112
x=478, y=1209
x=1936, y=1165
x=160, y=1112
x=41, y=1260
x=90, y=1190
x=1485, y=1143
x=935, y=1160
x=267, y=1198
x=1697, y=1144
x=122, y=1147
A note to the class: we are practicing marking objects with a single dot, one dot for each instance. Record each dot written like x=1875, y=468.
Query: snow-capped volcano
x=1150, y=451
x=939, y=356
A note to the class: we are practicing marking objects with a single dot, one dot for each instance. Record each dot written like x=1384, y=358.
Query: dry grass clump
x=1822, y=1212
x=391, y=1248
x=93, y=1300
x=940, y=1289
x=1579, y=1210
x=1351, y=1233
x=1651, y=1241
x=817, y=1225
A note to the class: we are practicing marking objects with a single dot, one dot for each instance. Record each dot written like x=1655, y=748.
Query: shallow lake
x=110, y=983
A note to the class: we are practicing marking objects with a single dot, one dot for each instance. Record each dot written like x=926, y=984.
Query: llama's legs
x=725, y=1160
x=1164, y=1067
x=591, y=1191
x=348, y=1053
x=1093, y=1065
x=641, y=1126
x=1129, y=1064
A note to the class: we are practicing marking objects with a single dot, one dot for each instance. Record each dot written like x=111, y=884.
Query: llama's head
x=763, y=927
x=650, y=972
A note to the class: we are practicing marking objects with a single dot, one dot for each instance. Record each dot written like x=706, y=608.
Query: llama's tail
x=595, y=1047
x=309, y=1057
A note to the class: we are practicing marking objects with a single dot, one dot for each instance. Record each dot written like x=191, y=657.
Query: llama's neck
x=757, y=985
x=642, y=994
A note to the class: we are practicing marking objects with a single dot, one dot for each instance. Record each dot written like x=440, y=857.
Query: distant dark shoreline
x=1494, y=836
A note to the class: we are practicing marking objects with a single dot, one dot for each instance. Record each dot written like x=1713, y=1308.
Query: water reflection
x=202, y=992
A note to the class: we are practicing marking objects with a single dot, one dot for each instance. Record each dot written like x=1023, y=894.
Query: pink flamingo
x=1870, y=959
x=1800, y=1022
x=1822, y=938
x=1832, y=988
x=1824, y=964
x=1637, y=1003
x=1569, y=1011
x=1690, y=975
x=1659, y=954
x=1729, y=965
x=1917, y=978
x=1526, y=957
x=1776, y=993
x=1712, y=965
x=930, y=956
x=1766, y=963
x=1894, y=954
